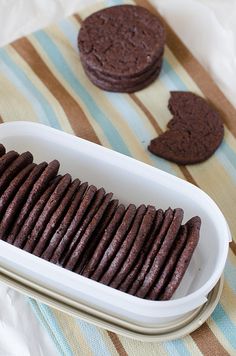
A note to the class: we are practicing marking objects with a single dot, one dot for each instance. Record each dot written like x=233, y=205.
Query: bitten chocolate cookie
x=121, y=47
x=195, y=131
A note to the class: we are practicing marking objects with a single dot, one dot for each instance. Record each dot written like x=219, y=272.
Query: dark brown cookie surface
x=100, y=229
x=57, y=244
x=16, y=166
x=49, y=172
x=162, y=254
x=121, y=87
x=195, y=131
x=125, y=247
x=31, y=220
x=2, y=150
x=170, y=265
x=82, y=244
x=121, y=40
x=131, y=277
x=7, y=159
x=193, y=228
x=116, y=241
x=95, y=204
x=104, y=242
x=14, y=186
x=137, y=246
x=167, y=219
x=46, y=214
x=13, y=210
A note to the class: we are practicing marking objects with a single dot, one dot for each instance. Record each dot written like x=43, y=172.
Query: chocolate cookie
x=98, y=233
x=14, y=186
x=170, y=265
x=95, y=204
x=193, y=228
x=195, y=131
x=137, y=246
x=120, y=86
x=39, y=187
x=104, y=241
x=56, y=218
x=82, y=244
x=2, y=150
x=131, y=277
x=125, y=247
x=121, y=40
x=162, y=254
x=14, y=209
x=168, y=217
x=7, y=159
x=46, y=214
x=15, y=167
x=57, y=244
x=116, y=242
x=31, y=220
x=75, y=223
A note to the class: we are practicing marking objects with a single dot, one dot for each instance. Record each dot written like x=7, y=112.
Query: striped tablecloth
x=41, y=80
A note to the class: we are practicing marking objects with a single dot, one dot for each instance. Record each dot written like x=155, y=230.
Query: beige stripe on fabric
x=73, y=334
x=78, y=120
x=207, y=342
x=197, y=72
x=13, y=104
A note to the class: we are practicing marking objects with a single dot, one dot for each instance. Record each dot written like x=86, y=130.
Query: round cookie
x=120, y=87
x=104, y=241
x=167, y=219
x=193, y=228
x=47, y=212
x=39, y=187
x=11, y=215
x=56, y=217
x=2, y=150
x=170, y=265
x=72, y=228
x=91, y=212
x=7, y=159
x=98, y=233
x=121, y=40
x=79, y=249
x=14, y=186
x=137, y=246
x=131, y=277
x=56, y=247
x=125, y=247
x=116, y=242
x=31, y=220
x=15, y=167
x=195, y=131
x=162, y=254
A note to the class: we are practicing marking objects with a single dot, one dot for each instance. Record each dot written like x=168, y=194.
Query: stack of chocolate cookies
x=141, y=250
x=121, y=48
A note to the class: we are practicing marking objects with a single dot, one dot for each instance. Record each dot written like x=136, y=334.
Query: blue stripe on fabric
x=99, y=116
x=46, y=317
x=136, y=124
x=230, y=275
x=228, y=165
x=22, y=82
x=94, y=338
x=176, y=347
x=171, y=78
x=69, y=30
x=225, y=324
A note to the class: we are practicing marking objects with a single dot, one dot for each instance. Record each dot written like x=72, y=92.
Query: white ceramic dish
x=131, y=181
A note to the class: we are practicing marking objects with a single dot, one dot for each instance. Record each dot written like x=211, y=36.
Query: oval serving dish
x=130, y=181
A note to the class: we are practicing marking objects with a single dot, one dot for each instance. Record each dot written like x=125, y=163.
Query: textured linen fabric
x=42, y=81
